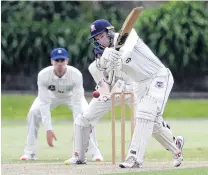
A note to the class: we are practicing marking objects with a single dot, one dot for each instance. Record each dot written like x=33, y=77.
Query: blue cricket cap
x=99, y=26
x=59, y=53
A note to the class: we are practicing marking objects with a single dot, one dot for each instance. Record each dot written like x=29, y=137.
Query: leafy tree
x=177, y=32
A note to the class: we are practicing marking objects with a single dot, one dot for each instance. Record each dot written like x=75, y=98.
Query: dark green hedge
x=178, y=33
x=31, y=29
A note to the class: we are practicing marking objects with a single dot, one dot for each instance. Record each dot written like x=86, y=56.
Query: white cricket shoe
x=28, y=157
x=130, y=163
x=97, y=157
x=74, y=160
x=178, y=158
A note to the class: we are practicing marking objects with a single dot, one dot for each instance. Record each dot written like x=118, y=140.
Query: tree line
x=177, y=32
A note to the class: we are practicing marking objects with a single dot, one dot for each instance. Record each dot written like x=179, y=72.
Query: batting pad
x=142, y=134
x=144, y=122
x=165, y=137
x=147, y=108
x=81, y=137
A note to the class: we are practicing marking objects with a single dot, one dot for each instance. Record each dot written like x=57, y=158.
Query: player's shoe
x=130, y=163
x=97, y=157
x=74, y=160
x=28, y=157
x=178, y=158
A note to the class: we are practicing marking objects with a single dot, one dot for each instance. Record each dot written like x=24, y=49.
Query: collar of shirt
x=63, y=77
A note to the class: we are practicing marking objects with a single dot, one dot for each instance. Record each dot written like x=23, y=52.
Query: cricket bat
x=123, y=35
x=127, y=26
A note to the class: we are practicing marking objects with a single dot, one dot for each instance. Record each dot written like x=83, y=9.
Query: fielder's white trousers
x=34, y=120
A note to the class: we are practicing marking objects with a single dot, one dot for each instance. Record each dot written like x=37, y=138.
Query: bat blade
x=127, y=26
x=123, y=34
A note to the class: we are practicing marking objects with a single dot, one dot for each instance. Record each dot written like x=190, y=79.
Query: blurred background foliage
x=177, y=32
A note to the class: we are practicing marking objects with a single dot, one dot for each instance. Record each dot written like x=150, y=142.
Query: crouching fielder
x=57, y=84
x=154, y=82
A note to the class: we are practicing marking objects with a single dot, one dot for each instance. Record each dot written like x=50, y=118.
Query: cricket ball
x=96, y=94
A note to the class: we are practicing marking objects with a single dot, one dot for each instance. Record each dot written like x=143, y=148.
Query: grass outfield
x=17, y=106
x=14, y=137
x=158, y=161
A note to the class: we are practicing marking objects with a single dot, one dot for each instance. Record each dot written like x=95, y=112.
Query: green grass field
x=17, y=106
x=194, y=131
x=187, y=117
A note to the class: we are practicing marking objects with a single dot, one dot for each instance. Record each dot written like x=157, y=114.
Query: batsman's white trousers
x=159, y=87
x=34, y=120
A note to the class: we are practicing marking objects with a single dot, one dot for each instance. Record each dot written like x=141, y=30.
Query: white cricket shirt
x=50, y=88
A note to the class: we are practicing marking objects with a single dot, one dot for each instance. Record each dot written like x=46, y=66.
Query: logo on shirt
x=133, y=152
x=52, y=87
x=159, y=84
x=128, y=60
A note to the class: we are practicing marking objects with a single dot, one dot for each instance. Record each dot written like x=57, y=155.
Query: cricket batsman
x=57, y=84
x=154, y=83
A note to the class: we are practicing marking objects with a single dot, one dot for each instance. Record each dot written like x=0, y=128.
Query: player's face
x=59, y=66
x=103, y=39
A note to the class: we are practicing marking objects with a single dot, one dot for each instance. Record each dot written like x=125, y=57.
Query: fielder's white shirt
x=51, y=87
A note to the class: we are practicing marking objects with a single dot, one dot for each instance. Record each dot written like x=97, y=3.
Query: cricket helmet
x=99, y=26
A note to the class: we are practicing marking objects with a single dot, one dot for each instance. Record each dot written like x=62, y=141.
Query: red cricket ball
x=96, y=94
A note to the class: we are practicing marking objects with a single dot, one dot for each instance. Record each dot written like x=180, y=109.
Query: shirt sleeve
x=45, y=102
x=95, y=72
x=79, y=103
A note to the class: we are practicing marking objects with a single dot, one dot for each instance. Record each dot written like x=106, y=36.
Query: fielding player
x=57, y=84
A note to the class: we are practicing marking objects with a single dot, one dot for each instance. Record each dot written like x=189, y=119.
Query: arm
x=101, y=78
x=95, y=72
x=45, y=113
x=45, y=102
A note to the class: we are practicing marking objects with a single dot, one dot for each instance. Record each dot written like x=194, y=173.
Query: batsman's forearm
x=95, y=72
